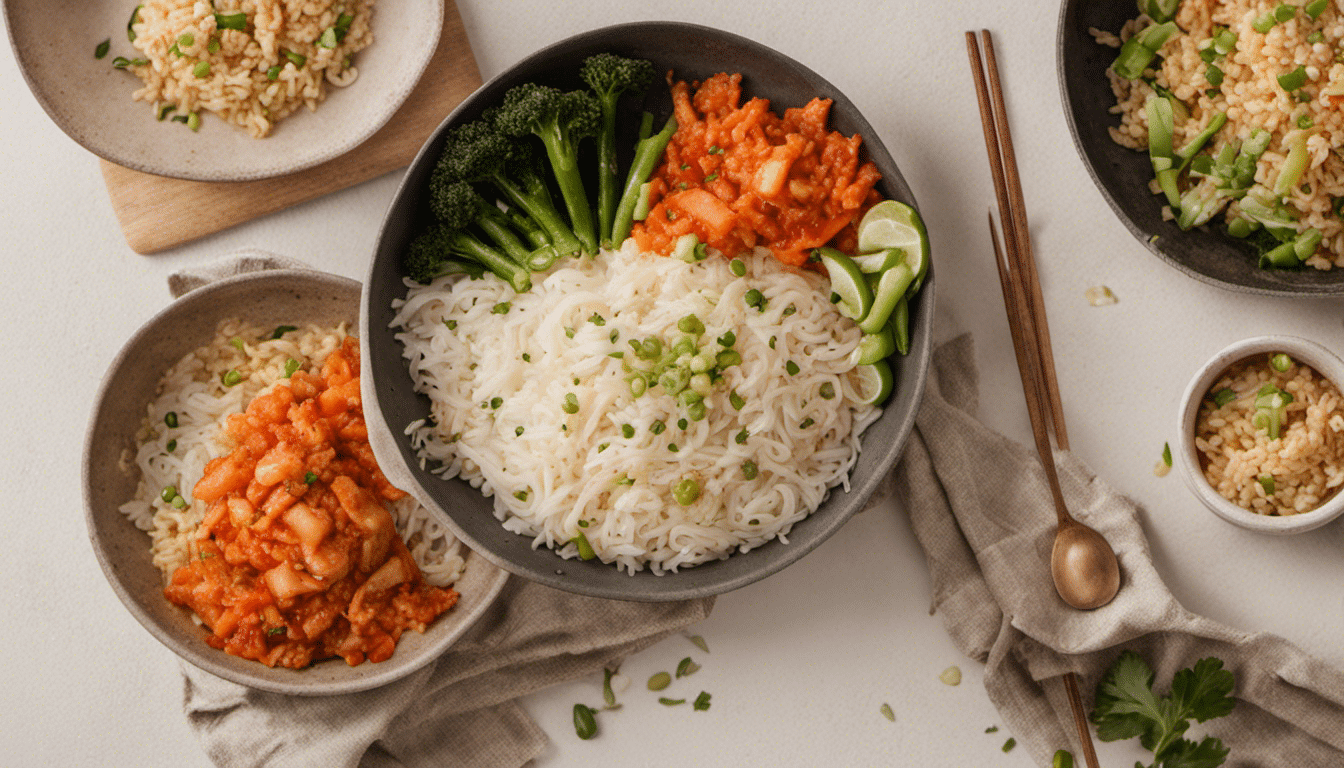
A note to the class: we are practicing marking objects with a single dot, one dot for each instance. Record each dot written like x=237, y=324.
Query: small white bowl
x=1322, y=360
x=86, y=97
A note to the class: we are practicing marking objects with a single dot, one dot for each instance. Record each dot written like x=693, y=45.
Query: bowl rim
x=199, y=654
x=110, y=152
x=387, y=443
x=1319, y=358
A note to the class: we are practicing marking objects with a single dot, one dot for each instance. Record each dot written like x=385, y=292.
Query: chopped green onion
x=682, y=424
x=1264, y=22
x=755, y=298
x=186, y=40
x=121, y=62
x=520, y=495
x=711, y=177
x=736, y=400
x=749, y=469
x=1316, y=7
x=310, y=478
x=1283, y=12
x=1267, y=483
x=597, y=319
x=291, y=366
x=179, y=502
x=1316, y=37
x=502, y=308
x=202, y=69
x=699, y=642
x=728, y=339
x=792, y=368
x=496, y=401
x=1009, y=744
x=194, y=121
x=135, y=19
x=281, y=330
x=571, y=403
x=168, y=492
x=518, y=432
x=170, y=418
x=628, y=431
x=585, y=549
x=1291, y=81
x=451, y=324
x=673, y=447
x=231, y=377
x=236, y=343
x=328, y=38
x=701, y=702
x=638, y=385
x=826, y=391
x=1166, y=454
x=887, y=712
x=102, y=48
x=806, y=423
x=697, y=410
x=297, y=58
x=741, y=437
x=659, y=681
x=171, y=446
x=231, y=21
x=1214, y=75
x=691, y=324
x=657, y=427
x=687, y=667
x=737, y=267
x=1281, y=362
x=343, y=26
x=273, y=73
x=686, y=491
x=585, y=723
x=1304, y=122
x=670, y=702
x=165, y=110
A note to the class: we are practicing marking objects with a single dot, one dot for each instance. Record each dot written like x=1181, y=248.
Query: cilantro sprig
x=1126, y=706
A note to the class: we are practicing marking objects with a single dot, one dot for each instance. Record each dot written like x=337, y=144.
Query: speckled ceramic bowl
x=1186, y=457
x=54, y=42
x=273, y=297
x=692, y=52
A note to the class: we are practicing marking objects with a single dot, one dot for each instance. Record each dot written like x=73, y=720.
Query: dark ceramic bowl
x=691, y=52
x=268, y=298
x=1205, y=253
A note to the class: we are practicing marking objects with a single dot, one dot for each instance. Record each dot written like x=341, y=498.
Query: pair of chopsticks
x=1022, y=298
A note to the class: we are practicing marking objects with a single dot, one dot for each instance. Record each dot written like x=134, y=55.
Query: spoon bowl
x=1084, y=566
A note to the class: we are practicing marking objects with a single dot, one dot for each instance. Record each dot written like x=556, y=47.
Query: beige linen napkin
x=458, y=712
x=982, y=511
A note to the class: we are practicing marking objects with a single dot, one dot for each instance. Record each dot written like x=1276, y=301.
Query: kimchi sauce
x=297, y=558
x=741, y=176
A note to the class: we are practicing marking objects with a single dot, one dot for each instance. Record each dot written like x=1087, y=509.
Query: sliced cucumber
x=891, y=287
x=847, y=282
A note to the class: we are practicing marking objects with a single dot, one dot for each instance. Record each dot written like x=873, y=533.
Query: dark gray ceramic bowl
x=1122, y=175
x=692, y=52
x=269, y=298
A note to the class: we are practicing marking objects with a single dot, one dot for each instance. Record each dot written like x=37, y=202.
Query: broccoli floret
x=478, y=152
x=610, y=76
x=443, y=250
x=458, y=205
x=427, y=258
x=561, y=119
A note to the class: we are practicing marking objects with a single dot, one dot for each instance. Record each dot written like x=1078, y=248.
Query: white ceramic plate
x=54, y=42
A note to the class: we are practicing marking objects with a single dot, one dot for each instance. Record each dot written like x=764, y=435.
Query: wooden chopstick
x=1025, y=307
x=1013, y=213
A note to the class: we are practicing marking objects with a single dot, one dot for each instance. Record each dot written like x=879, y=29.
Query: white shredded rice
x=498, y=378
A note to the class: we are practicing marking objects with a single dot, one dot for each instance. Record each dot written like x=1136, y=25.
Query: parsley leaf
x=1126, y=706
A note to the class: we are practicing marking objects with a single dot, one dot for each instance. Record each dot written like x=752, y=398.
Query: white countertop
x=801, y=662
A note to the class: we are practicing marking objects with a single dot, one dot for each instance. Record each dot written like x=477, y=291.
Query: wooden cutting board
x=157, y=213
